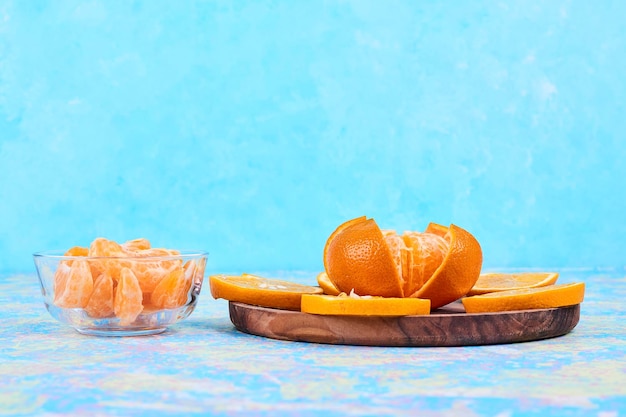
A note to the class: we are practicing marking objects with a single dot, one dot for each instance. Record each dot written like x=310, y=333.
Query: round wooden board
x=448, y=326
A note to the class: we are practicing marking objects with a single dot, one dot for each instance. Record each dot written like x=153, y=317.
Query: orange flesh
x=128, y=298
x=101, y=301
x=416, y=256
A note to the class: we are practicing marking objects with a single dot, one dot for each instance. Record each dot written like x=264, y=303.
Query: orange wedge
x=492, y=282
x=326, y=284
x=551, y=296
x=264, y=292
x=363, y=306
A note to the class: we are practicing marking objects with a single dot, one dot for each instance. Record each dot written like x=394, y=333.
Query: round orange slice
x=326, y=284
x=551, y=296
x=264, y=292
x=495, y=281
x=363, y=306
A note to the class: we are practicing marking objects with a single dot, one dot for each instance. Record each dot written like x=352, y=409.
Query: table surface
x=204, y=366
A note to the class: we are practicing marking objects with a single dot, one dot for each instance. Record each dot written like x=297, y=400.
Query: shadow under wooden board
x=447, y=326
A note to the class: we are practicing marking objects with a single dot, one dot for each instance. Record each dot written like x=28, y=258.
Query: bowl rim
x=59, y=255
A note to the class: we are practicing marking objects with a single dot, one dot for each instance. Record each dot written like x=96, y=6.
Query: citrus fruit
x=77, y=251
x=495, y=281
x=363, y=306
x=441, y=264
x=171, y=292
x=551, y=296
x=128, y=297
x=101, y=301
x=73, y=285
x=136, y=245
x=255, y=290
x=326, y=285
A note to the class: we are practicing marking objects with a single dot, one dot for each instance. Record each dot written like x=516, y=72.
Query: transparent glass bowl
x=160, y=291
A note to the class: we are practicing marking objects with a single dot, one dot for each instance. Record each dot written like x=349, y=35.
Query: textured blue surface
x=203, y=366
x=252, y=129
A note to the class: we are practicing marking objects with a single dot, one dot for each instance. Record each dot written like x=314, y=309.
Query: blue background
x=252, y=129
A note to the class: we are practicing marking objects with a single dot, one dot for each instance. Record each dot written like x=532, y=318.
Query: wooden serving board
x=448, y=326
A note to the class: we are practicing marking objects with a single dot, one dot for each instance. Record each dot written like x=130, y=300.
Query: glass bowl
x=120, y=296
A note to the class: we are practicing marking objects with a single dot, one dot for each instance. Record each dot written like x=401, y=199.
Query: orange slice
x=325, y=283
x=492, y=282
x=264, y=292
x=363, y=306
x=551, y=296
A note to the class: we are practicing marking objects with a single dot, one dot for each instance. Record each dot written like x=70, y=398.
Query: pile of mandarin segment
x=123, y=280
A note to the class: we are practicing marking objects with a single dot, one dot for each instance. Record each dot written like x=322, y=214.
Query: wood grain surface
x=448, y=326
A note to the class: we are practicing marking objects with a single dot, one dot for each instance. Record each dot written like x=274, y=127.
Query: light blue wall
x=253, y=128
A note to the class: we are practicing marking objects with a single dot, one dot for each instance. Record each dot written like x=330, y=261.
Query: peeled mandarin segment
x=551, y=296
x=61, y=276
x=149, y=273
x=106, y=248
x=356, y=257
x=492, y=282
x=136, y=245
x=101, y=301
x=428, y=251
x=77, y=251
x=402, y=257
x=265, y=292
x=76, y=289
x=172, y=290
x=128, y=298
x=374, y=306
x=326, y=285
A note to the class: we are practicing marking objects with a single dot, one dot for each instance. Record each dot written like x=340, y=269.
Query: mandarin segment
x=136, y=245
x=172, y=291
x=75, y=288
x=128, y=297
x=101, y=301
x=428, y=251
x=77, y=251
x=105, y=248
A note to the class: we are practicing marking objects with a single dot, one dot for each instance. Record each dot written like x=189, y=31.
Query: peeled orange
x=441, y=264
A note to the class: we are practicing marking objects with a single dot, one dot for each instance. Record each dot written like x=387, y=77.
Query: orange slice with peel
x=326, y=284
x=551, y=296
x=496, y=281
x=441, y=264
x=345, y=305
x=264, y=292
